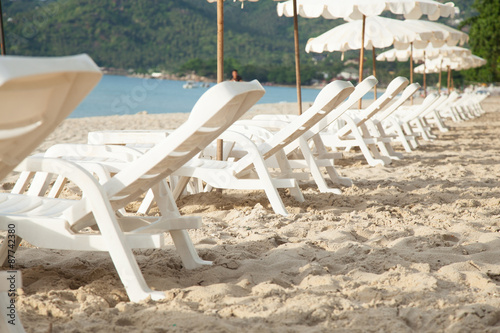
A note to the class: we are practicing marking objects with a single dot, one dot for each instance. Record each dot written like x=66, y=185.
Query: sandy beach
x=410, y=247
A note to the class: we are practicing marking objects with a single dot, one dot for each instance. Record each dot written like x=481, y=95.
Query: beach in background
x=410, y=247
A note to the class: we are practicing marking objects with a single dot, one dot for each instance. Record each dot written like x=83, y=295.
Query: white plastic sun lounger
x=250, y=171
x=299, y=153
x=36, y=94
x=52, y=222
x=352, y=133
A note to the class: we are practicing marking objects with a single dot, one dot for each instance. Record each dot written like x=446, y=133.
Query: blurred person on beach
x=235, y=76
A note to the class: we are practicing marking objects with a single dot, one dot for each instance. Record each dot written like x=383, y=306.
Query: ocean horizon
x=122, y=95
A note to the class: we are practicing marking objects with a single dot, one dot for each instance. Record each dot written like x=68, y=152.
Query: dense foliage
x=178, y=37
x=485, y=40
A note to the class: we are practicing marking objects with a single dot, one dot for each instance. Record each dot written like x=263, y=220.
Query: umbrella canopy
x=430, y=52
x=441, y=64
x=450, y=36
x=359, y=9
x=356, y=9
x=457, y=63
x=380, y=32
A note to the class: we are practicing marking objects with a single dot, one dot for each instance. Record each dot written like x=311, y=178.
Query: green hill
x=142, y=34
x=146, y=35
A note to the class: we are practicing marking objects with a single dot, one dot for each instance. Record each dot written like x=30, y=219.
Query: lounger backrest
x=361, y=89
x=395, y=87
x=435, y=106
x=36, y=94
x=426, y=104
x=328, y=98
x=407, y=93
x=214, y=112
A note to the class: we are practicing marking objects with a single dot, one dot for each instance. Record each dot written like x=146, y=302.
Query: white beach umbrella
x=430, y=52
x=456, y=63
x=451, y=36
x=380, y=32
x=360, y=9
x=356, y=9
x=442, y=63
x=424, y=54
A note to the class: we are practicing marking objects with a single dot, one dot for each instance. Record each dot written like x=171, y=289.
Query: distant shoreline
x=189, y=77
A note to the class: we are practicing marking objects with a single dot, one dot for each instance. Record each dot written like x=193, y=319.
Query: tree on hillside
x=484, y=37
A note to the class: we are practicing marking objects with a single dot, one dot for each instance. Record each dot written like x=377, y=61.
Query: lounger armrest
x=245, y=143
x=71, y=171
x=123, y=137
x=282, y=117
x=122, y=153
x=270, y=123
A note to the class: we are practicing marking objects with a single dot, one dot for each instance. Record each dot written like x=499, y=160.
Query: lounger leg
x=335, y=177
x=182, y=241
x=376, y=158
x=285, y=167
x=423, y=131
x=179, y=187
x=387, y=150
x=378, y=134
x=402, y=137
x=121, y=254
x=271, y=190
x=439, y=122
x=146, y=203
x=315, y=170
x=409, y=131
x=380, y=129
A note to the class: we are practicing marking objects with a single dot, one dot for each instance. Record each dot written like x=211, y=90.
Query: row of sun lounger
x=268, y=152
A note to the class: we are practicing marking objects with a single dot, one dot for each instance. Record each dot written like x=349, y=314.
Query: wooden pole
x=362, y=57
x=374, y=73
x=449, y=79
x=220, y=41
x=425, y=83
x=220, y=59
x=440, y=73
x=2, y=35
x=411, y=69
x=297, y=57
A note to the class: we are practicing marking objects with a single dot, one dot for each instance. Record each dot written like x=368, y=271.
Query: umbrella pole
x=425, y=82
x=449, y=77
x=362, y=57
x=411, y=69
x=297, y=57
x=440, y=74
x=220, y=41
x=2, y=36
x=374, y=73
x=220, y=59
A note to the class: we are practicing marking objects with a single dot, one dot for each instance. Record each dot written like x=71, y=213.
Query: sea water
x=119, y=95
